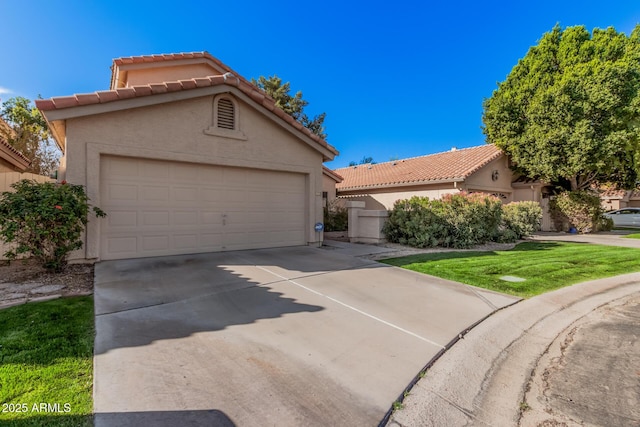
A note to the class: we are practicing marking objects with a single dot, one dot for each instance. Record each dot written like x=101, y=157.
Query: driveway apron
x=287, y=337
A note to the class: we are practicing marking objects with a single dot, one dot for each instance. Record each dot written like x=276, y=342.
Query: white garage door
x=165, y=208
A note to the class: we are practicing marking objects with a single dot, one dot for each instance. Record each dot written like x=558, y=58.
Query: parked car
x=627, y=217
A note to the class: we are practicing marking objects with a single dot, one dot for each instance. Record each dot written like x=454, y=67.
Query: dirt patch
x=24, y=280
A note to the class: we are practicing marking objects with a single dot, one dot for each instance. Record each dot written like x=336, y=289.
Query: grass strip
x=545, y=266
x=46, y=363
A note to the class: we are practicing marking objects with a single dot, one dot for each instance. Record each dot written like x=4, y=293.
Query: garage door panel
x=120, y=168
x=183, y=173
x=154, y=193
x=153, y=219
x=185, y=218
x=119, y=218
x=155, y=170
x=123, y=192
x=184, y=194
x=155, y=243
x=124, y=245
x=163, y=208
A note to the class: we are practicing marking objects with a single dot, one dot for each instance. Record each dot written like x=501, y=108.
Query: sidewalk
x=566, y=358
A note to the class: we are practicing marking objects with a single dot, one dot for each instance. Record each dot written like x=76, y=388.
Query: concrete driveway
x=286, y=337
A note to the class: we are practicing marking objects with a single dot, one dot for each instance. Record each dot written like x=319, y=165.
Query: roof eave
x=56, y=117
x=403, y=184
x=15, y=159
x=331, y=174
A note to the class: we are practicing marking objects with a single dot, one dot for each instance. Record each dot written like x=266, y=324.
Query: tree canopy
x=292, y=105
x=28, y=133
x=569, y=111
x=366, y=160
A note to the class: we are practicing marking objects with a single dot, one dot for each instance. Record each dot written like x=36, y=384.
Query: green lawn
x=545, y=266
x=46, y=363
x=633, y=236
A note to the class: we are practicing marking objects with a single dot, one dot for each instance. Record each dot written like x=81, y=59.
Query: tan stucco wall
x=158, y=74
x=482, y=179
x=6, y=166
x=385, y=198
x=329, y=186
x=175, y=131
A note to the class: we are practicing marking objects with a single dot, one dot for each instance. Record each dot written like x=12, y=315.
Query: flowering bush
x=44, y=220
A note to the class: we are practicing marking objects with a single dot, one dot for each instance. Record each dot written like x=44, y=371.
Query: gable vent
x=226, y=114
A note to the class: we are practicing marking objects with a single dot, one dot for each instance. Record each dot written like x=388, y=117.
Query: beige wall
x=6, y=166
x=482, y=180
x=176, y=131
x=329, y=186
x=160, y=74
x=385, y=198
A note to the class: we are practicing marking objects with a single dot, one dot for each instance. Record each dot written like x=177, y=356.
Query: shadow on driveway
x=288, y=337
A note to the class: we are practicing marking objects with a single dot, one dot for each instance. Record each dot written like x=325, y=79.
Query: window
x=225, y=120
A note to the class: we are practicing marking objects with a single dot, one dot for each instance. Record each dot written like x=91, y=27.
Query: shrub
x=44, y=220
x=336, y=217
x=579, y=209
x=457, y=220
x=520, y=219
x=605, y=224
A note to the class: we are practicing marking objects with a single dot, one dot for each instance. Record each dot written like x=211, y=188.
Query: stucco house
x=185, y=156
x=619, y=199
x=482, y=169
x=11, y=160
x=329, y=181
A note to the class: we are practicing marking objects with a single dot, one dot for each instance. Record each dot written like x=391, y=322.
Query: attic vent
x=226, y=114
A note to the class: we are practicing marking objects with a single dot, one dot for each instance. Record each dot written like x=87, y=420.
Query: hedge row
x=460, y=221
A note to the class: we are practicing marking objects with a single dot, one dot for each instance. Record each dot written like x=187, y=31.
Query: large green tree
x=569, y=111
x=28, y=133
x=292, y=105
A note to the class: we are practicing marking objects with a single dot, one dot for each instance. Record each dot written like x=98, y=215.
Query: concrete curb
x=482, y=379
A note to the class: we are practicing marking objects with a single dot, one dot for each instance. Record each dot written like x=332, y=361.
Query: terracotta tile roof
x=441, y=167
x=146, y=59
x=613, y=194
x=230, y=79
x=13, y=156
x=170, y=57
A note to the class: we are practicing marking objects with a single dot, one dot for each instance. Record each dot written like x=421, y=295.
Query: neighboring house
x=329, y=181
x=482, y=169
x=186, y=156
x=11, y=160
x=618, y=199
x=476, y=169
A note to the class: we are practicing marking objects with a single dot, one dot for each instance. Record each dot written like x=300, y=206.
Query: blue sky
x=397, y=79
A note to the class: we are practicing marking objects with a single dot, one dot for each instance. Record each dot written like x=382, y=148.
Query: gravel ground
x=24, y=281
